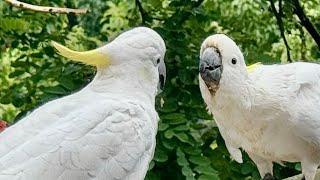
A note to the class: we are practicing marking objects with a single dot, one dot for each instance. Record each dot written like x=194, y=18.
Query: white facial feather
x=137, y=44
x=233, y=75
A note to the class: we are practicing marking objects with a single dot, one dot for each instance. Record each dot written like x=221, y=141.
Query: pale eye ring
x=234, y=61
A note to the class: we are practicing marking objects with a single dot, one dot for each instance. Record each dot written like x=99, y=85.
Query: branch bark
x=143, y=14
x=305, y=22
x=278, y=16
x=46, y=9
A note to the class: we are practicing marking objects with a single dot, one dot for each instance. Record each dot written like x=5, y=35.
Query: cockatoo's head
x=133, y=48
x=220, y=59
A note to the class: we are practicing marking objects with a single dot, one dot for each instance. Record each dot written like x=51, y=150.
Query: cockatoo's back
x=299, y=73
x=109, y=139
x=107, y=130
x=295, y=87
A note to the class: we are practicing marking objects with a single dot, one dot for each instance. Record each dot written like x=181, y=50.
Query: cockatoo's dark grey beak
x=210, y=66
x=162, y=75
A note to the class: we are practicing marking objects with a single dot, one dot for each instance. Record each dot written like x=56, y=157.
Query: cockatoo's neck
x=236, y=90
x=135, y=81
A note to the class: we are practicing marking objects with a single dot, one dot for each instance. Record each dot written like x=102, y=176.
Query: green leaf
x=14, y=24
x=297, y=166
x=173, y=116
x=168, y=134
x=182, y=161
x=151, y=165
x=192, y=150
x=160, y=156
x=67, y=83
x=214, y=145
x=162, y=126
x=176, y=121
x=179, y=152
x=208, y=177
x=155, y=3
x=169, y=106
x=169, y=144
x=182, y=137
x=58, y=90
x=18, y=64
x=181, y=128
x=200, y=160
x=6, y=99
x=247, y=168
x=16, y=73
x=205, y=170
x=186, y=171
x=190, y=178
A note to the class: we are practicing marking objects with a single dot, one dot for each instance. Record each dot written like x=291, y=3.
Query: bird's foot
x=268, y=176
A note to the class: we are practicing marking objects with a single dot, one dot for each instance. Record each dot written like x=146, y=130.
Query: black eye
x=234, y=61
x=158, y=61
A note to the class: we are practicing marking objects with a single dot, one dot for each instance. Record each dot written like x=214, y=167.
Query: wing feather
x=294, y=89
x=100, y=141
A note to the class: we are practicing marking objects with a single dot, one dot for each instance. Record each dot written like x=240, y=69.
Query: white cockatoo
x=107, y=130
x=270, y=111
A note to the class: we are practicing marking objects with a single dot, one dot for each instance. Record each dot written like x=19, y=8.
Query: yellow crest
x=92, y=57
x=253, y=67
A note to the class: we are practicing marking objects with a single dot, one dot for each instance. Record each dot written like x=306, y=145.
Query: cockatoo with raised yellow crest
x=107, y=130
x=270, y=111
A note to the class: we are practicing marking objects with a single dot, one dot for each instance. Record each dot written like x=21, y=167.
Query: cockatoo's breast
x=260, y=128
x=255, y=135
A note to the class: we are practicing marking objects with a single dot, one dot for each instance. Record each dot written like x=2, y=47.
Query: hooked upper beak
x=210, y=66
x=162, y=75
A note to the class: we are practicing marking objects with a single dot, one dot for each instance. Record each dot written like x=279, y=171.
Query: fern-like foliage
x=8, y=24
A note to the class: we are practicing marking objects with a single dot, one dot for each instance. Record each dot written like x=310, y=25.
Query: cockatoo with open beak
x=107, y=130
x=270, y=111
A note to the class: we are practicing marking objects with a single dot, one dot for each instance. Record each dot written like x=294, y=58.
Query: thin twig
x=278, y=16
x=303, y=42
x=305, y=21
x=143, y=14
x=45, y=8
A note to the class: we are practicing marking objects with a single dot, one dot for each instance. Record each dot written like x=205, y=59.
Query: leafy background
x=189, y=145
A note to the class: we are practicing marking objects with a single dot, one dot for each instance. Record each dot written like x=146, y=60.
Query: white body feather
x=276, y=118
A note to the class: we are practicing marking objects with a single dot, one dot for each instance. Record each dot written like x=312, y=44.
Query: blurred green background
x=189, y=145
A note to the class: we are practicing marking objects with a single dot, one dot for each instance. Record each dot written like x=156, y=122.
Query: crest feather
x=251, y=68
x=92, y=57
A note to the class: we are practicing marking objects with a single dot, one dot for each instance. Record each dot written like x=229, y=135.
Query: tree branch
x=143, y=14
x=278, y=16
x=303, y=42
x=45, y=8
x=305, y=22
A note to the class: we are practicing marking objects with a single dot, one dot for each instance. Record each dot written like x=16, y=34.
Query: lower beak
x=210, y=66
x=162, y=75
x=161, y=81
